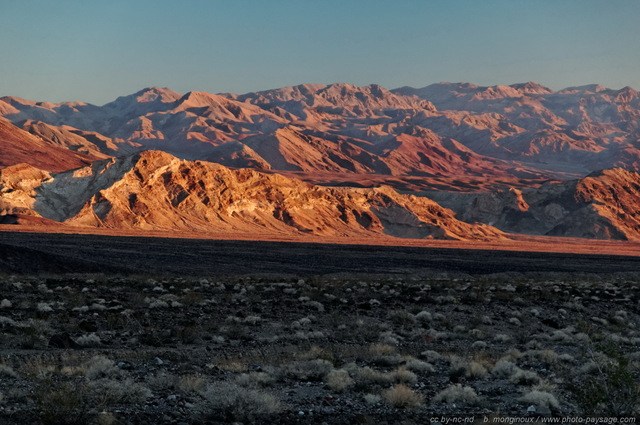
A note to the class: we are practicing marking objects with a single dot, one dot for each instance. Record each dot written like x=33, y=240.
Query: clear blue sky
x=94, y=50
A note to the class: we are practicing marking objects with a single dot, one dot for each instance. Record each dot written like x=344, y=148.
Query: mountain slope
x=86, y=142
x=154, y=190
x=18, y=146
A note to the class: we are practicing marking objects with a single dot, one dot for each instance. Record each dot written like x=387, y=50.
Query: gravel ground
x=125, y=348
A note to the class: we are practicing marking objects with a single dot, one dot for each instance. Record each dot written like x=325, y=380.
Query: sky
x=96, y=50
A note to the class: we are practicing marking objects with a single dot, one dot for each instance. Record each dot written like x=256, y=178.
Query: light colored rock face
x=154, y=190
x=18, y=184
x=602, y=205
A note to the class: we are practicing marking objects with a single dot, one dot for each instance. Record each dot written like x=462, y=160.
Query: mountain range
x=331, y=160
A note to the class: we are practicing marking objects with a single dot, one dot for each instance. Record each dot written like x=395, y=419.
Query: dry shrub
x=401, y=396
x=89, y=340
x=106, y=418
x=111, y=391
x=524, y=377
x=476, y=370
x=367, y=376
x=339, y=380
x=316, y=352
x=255, y=379
x=541, y=398
x=504, y=369
x=311, y=370
x=37, y=367
x=101, y=367
x=416, y=365
x=469, y=368
x=232, y=366
x=457, y=394
x=191, y=384
x=7, y=371
x=431, y=356
x=231, y=401
x=402, y=374
x=380, y=350
x=424, y=317
x=372, y=398
x=62, y=403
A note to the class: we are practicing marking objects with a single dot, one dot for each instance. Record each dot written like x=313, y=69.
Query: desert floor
x=119, y=329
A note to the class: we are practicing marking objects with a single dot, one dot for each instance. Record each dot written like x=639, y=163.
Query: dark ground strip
x=33, y=252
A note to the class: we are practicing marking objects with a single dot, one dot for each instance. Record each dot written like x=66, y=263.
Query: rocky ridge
x=347, y=129
x=578, y=129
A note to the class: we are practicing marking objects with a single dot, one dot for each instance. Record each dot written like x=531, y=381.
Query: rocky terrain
x=156, y=191
x=113, y=330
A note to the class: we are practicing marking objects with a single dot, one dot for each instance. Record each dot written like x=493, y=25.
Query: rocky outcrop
x=510, y=132
x=154, y=190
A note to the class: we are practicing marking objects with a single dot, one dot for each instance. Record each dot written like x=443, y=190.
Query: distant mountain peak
x=532, y=87
x=588, y=88
x=146, y=96
x=152, y=94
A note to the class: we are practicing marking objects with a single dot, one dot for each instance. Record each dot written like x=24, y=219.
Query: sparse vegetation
x=609, y=386
x=232, y=351
x=339, y=380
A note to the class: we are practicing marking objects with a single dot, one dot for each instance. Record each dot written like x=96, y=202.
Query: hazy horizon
x=95, y=52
